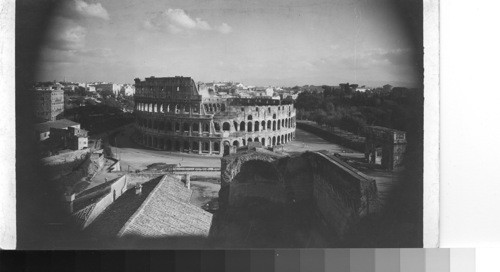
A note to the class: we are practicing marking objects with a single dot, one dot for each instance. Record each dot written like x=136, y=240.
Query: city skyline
x=255, y=42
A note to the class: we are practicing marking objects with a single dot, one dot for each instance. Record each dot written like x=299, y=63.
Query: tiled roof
x=63, y=123
x=167, y=213
x=162, y=210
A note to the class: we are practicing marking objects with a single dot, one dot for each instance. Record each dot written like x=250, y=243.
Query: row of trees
x=353, y=112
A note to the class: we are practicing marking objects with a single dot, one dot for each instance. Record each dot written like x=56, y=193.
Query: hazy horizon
x=261, y=43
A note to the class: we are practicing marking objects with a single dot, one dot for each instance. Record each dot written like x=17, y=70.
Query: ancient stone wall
x=340, y=193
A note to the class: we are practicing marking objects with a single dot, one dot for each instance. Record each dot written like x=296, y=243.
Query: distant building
x=70, y=138
x=127, y=89
x=42, y=130
x=48, y=102
x=115, y=88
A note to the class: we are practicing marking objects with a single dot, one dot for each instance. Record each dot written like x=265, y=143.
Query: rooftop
x=46, y=126
x=162, y=210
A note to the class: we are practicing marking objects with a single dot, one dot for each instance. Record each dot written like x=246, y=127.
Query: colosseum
x=176, y=114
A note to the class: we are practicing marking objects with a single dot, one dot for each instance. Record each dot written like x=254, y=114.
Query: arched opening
x=244, y=142
x=269, y=125
x=263, y=141
x=195, y=146
x=206, y=127
x=223, y=107
x=256, y=171
x=236, y=143
x=196, y=127
x=249, y=117
x=226, y=126
x=256, y=126
x=278, y=140
x=256, y=139
x=274, y=140
x=274, y=125
x=186, y=146
x=235, y=126
x=205, y=147
x=250, y=140
x=274, y=116
x=242, y=126
x=279, y=124
x=185, y=127
x=249, y=126
x=217, y=126
x=216, y=147
x=263, y=124
x=226, y=147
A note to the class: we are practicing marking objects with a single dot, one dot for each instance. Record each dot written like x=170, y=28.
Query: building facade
x=171, y=115
x=49, y=103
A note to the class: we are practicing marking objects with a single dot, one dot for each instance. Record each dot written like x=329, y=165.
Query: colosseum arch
x=274, y=116
x=249, y=126
x=217, y=126
x=263, y=141
x=250, y=140
x=216, y=147
x=223, y=107
x=186, y=146
x=226, y=126
x=243, y=142
x=185, y=127
x=263, y=125
x=242, y=126
x=236, y=143
x=195, y=146
x=274, y=125
x=206, y=127
x=256, y=126
x=279, y=124
x=269, y=125
x=196, y=127
x=256, y=139
x=278, y=140
x=274, y=140
x=235, y=126
x=249, y=117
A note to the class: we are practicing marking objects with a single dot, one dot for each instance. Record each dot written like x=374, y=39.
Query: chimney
x=187, y=180
x=138, y=189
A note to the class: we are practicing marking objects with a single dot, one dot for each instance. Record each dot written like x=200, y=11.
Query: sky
x=256, y=42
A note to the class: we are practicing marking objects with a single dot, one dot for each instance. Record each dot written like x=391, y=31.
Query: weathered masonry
x=172, y=115
x=339, y=194
x=384, y=146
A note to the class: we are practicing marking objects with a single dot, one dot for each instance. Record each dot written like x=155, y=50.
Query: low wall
x=329, y=136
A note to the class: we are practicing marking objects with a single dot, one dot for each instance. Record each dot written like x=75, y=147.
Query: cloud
x=85, y=9
x=177, y=21
x=66, y=35
x=224, y=28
